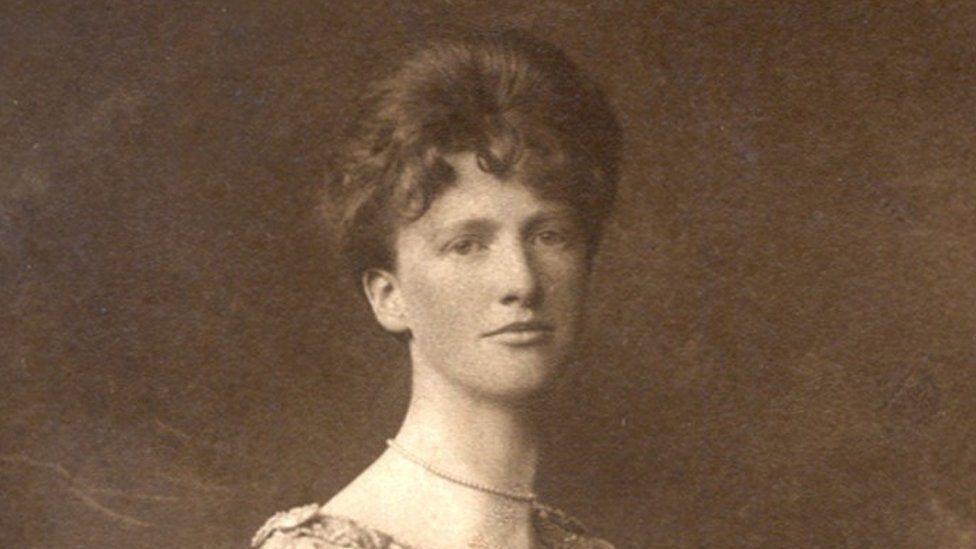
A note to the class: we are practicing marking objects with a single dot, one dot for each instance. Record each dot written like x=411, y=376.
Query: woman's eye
x=464, y=246
x=552, y=238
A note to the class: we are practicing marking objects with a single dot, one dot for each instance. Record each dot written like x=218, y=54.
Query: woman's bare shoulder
x=310, y=527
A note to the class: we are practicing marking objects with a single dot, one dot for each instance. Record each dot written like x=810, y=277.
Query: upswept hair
x=519, y=104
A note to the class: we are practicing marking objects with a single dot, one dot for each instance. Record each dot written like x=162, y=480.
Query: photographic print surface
x=779, y=340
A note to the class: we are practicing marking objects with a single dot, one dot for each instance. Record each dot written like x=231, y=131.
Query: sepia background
x=782, y=340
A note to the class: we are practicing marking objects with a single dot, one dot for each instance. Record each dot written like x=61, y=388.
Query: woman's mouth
x=522, y=333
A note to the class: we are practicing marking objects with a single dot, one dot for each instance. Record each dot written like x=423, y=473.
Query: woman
x=472, y=195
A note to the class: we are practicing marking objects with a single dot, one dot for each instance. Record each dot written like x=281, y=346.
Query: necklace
x=517, y=496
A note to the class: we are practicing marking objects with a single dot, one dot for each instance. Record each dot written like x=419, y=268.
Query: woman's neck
x=477, y=439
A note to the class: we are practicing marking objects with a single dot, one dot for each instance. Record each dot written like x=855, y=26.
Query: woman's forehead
x=478, y=195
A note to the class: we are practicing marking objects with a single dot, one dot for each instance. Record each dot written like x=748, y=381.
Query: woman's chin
x=522, y=380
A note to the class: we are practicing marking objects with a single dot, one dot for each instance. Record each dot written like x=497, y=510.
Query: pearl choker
x=517, y=496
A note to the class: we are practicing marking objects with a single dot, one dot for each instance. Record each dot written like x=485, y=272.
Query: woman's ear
x=383, y=292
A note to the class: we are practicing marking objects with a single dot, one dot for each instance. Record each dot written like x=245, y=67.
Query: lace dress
x=309, y=528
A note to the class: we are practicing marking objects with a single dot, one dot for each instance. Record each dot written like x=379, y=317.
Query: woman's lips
x=522, y=333
x=523, y=337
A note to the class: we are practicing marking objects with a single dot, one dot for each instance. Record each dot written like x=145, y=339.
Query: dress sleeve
x=309, y=528
x=558, y=529
x=286, y=540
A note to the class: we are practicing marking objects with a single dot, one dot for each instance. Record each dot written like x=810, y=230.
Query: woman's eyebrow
x=479, y=225
x=560, y=214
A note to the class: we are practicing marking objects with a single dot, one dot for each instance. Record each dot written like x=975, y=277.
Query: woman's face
x=491, y=280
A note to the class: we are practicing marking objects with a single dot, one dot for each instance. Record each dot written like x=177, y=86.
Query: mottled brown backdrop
x=781, y=348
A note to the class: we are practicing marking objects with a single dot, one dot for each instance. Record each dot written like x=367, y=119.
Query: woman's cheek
x=441, y=299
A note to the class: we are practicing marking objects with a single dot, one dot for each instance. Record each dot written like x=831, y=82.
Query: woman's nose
x=517, y=277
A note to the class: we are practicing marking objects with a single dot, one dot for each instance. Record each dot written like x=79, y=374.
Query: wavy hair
x=518, y=103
